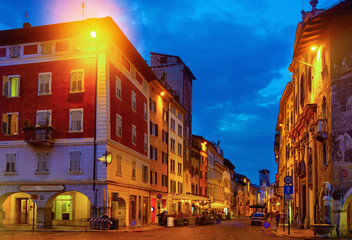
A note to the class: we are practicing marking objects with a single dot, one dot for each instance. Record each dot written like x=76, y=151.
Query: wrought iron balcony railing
x=321, y=129
x=39, y=135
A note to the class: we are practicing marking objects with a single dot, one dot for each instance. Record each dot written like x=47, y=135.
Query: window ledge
x=42, y=173
x=75, y=172
x=76, y=92
x=10, y=173
x=119, y=175
x=15, y=134
x=133, y=178
x=44, y=94
x=70, y=131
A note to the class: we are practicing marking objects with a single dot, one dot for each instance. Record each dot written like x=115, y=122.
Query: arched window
x=301, y=91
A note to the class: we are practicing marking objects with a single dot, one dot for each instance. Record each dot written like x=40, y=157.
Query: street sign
x=288, y=197
x=288, y=179
x=288, y=189
x=159, y=196
x=133, y=223
x=266, y=225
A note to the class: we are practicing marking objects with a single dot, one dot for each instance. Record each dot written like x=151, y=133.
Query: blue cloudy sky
x=238, y=50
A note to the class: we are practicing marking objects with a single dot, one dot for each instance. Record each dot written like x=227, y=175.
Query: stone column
x=44, y=220
x=306, y=160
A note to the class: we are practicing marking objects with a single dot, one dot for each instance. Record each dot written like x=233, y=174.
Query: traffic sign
x=159, y=196
x=288, y=179
x=288, y=189
x=133, y=223
x=266, y=225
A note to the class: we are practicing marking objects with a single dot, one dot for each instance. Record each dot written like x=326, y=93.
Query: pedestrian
x=277, y=218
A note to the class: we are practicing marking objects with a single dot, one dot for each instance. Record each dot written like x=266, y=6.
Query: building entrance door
x=22, y=209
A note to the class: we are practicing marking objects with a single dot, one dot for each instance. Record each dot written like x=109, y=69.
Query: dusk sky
x=238, y=50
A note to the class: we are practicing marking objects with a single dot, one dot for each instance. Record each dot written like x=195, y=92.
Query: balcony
x=321, y=130
x=39, y=135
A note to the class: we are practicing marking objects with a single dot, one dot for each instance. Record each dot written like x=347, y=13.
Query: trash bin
x=114, y=224
x=170, y=222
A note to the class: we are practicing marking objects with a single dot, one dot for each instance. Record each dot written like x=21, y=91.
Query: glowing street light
x=162, y=93
x=93, y=34
x=313, y=48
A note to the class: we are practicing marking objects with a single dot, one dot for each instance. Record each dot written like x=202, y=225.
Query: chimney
x=26, y=25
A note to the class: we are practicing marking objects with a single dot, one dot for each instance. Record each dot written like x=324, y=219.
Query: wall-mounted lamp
x=106, y=158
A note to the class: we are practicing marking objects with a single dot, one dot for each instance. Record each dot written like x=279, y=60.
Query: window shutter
x=156, y=154
x=5, y=86
x=156, y=129
x=151, y=127
x=14, y=123
x=4, y=123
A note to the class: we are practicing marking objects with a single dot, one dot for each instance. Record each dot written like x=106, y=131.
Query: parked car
x=258, y=218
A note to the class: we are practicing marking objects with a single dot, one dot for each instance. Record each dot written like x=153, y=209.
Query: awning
x=218, y=205
x=257, y=206
x=189, y=197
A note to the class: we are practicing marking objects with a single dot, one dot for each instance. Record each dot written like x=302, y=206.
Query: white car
x=258, y=218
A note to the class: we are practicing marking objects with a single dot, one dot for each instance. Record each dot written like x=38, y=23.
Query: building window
x=153, y=153
x=42, y=163
x=173, y=125
x=164, y=180
x=75, y=161
x=145, y=112
x=133, y=169
x=133, y=71
x=172, y=186
x=179, y=149
x=180, y=116
x=133, y=101
x=152, y=105
x=118, y=165
x=15, y=51
x=77, y=81
x=44, y=117
x=164, y=137
x=324, y=155
x=201, y=174
x=47, y=48
x=10, y=123
x=173, y=110
x=153, y=178
x=179, y=129
x=153, y=129
x=10, y=163
x=11, y=86
x=118, y=88
x=179, y=169
x=172, y=166
x=76, y=120
x=302, y=93
x=118, y=125
x=180, y=187
x=144, y=173
x=145, y=142
x=134, y=135
x=172, y=145
x=165, y=157
x=44, y=83
x=164, y=115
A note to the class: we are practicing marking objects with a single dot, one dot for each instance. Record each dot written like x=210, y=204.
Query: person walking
x=277, y=218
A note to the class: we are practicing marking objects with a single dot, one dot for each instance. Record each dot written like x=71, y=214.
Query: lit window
x=11, y=86
x=44, y=83
x=77, y=81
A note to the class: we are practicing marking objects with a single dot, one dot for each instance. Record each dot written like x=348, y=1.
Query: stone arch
x=347, y=199
x=17, y=208
x=68, y=208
